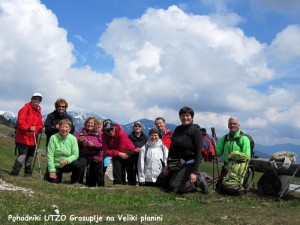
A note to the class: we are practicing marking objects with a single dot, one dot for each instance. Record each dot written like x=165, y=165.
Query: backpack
x=208, y=150
x=238, y=142
x=285, y=157
x=235, y=181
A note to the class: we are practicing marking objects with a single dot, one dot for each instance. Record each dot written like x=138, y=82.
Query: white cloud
x=285, y=47
x=163, y=60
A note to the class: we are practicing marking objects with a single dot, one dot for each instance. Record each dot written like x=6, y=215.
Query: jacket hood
x=154, y=144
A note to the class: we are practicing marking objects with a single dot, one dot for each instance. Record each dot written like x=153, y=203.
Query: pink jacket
x=87, y=151
x=118, y=143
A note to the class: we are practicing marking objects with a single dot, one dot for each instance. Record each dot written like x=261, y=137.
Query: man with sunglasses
x=53, y=119
x=29, y=124
x=115, y=143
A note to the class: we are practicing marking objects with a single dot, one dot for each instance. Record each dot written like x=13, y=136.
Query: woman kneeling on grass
x=63, y=154
x=185, y=156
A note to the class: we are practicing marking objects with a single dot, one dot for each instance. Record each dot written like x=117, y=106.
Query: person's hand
x=81, y=138
x=63, y=162
x=43, y=130
x=53, y=175
x=90, y=143
x=123, y=155
x=137, y=149
x=193, y=178
x=32, y=128
x=57, y=126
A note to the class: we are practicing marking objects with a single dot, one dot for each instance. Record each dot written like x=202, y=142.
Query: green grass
x=134, y=202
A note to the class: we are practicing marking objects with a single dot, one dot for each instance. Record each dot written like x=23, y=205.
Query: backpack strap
x=236, y=139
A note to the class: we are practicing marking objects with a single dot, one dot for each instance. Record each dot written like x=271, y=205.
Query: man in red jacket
x=29, y=124
x=116, y=143
x=164, y=134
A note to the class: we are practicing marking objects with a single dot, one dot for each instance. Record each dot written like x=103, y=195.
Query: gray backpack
x=283, y=156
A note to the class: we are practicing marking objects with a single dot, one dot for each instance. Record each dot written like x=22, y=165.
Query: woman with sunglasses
x=116, y=143
x=53, y=119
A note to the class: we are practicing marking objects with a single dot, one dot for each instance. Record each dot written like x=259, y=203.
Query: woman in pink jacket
x=90, y=154
x=117, y=144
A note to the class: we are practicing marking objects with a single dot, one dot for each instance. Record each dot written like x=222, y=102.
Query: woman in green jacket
x=63, y=154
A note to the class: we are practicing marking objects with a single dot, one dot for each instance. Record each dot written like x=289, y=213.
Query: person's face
x=137, y=128
x=64, y=130
x=154, y=137
x=99, y=126
x=160, y=125
x=110, y=132
x=233, y=126
x=35, y=101
x=61, y=107
x=90, y=125
x=186, y=119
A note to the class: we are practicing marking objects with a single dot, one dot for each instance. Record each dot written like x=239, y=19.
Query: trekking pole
x=215, y=158
x=37, y=154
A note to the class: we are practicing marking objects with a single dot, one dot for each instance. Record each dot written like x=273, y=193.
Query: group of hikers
x=163, y=158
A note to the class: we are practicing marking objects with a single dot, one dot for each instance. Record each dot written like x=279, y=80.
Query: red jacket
x=118, y=143
x=166, y=138
x=28, y=116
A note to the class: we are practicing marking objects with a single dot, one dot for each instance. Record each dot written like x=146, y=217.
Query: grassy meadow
x=115, y=204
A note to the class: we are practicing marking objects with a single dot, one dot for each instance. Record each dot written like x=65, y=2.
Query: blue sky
x=128, y=60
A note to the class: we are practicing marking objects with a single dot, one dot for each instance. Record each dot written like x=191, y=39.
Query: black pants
x=119, y=167
x=95, y=175
x=73, y=167
x=178, y=181
x=84, y=161
x=25, y=154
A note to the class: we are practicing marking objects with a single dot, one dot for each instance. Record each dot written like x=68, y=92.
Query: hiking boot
x=201, y=183
x=27, y=174
x=13, y=173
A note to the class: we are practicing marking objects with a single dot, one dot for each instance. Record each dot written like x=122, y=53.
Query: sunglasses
x=109, y=130
x=38, y=99
x=137, y=126
x=61, y=106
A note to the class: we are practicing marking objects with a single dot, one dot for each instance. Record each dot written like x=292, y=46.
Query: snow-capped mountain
x=147, y=126
x=10, y=116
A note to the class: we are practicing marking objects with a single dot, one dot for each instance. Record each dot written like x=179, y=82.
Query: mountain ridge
x=79, y=117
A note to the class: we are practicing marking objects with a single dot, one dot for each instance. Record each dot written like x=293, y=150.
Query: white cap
x=36, y=94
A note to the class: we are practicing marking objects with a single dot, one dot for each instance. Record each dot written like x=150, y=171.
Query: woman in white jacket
x=152, y=159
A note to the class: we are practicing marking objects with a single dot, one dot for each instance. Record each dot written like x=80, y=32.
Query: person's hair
x=186, y=110
x=159, y=118
x=99, y=123
x=90, y=118
x=233, y=118
x=65, y=121
x=61, y=100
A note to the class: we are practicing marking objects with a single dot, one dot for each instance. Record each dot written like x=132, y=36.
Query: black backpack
x=238, y=142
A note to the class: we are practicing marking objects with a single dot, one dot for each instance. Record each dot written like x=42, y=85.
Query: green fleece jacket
x=231, y=145
x=59, y=149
